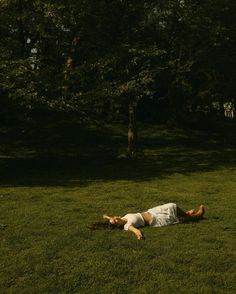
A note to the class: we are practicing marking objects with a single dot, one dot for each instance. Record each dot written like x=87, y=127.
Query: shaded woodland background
x=170, y=60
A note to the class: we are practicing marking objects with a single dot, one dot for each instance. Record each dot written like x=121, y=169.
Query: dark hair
x=103, y=226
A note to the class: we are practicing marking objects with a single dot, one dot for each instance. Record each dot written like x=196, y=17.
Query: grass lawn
x=56, y=183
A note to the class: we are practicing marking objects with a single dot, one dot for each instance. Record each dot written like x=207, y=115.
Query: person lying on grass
x=159, y=216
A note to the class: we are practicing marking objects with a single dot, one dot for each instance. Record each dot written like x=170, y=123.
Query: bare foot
x=201, y=211
x=190, y=212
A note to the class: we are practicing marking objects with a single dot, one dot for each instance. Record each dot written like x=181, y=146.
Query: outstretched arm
x=106, y=217
x=139, y=235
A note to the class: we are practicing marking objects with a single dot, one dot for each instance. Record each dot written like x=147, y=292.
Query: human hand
x=140, y=236
x=106, y=217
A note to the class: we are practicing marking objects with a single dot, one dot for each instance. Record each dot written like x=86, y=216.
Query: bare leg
x=191, y=214
x=182, y=213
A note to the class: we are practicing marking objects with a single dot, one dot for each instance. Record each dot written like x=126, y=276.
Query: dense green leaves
x=96, y=57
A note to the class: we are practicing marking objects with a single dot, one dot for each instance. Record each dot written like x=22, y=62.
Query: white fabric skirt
x=164, y=215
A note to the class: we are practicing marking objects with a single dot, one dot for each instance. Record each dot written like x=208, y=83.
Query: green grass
x=56, y=183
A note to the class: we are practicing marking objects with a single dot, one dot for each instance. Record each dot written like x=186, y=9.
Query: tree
x=102, y=57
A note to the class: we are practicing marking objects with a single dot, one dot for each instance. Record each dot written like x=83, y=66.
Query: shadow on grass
x=65, y=154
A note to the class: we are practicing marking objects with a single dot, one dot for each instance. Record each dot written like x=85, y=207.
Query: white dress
x=163, y=215
x=133, y=219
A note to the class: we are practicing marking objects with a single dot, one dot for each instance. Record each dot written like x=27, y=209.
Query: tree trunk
x=132, y=132
x=21, y=31
x=70, y=63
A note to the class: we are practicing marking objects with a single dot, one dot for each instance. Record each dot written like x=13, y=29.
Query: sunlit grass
x=46, y=246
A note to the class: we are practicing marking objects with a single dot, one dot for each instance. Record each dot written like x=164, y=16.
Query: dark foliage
x=94, y=58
